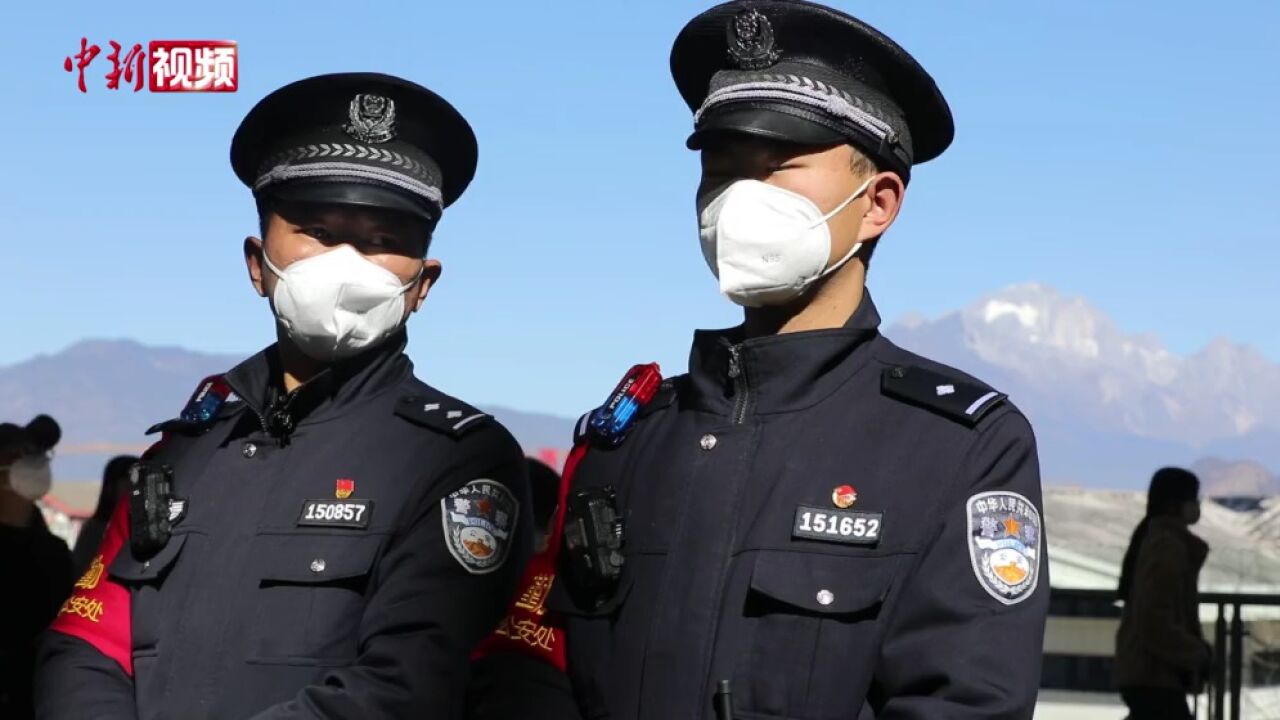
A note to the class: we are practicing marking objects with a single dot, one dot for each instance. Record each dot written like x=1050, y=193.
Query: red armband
x=98, y=610
x=526, y=629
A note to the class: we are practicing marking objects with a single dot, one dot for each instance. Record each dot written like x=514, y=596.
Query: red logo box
x=193, y=66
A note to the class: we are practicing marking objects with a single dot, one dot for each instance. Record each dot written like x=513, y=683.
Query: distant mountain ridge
x=106, y=393
x=1108, y=407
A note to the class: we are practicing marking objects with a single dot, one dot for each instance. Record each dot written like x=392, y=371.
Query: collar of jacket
x=257, y=381
x=778, y=373
x=1197, y=549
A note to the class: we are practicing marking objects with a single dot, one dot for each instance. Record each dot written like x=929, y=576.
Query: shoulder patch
x=960, y=400
x=442, y=414
x=479, y=518
x=1004, y=544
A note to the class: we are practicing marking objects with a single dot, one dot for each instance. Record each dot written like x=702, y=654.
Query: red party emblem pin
x=345, y=486
x=844, y=496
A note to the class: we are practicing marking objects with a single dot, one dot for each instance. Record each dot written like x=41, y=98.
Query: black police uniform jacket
x=889, y=608
x=253, y=610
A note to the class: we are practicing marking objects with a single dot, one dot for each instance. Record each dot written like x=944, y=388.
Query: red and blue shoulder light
x=610, y=422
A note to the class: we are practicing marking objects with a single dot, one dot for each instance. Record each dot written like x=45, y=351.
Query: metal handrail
x=1228, y=643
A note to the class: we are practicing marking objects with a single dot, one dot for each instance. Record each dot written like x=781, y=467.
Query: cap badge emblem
x=751, y=42
x=373, y=118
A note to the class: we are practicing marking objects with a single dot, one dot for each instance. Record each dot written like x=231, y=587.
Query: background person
x=1161, y=653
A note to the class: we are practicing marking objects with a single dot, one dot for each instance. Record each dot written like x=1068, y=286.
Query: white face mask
x=337, y=304
x=30, y=476
x=766, y=244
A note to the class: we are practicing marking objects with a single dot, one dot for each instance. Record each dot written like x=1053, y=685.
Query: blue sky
x=1125, y=152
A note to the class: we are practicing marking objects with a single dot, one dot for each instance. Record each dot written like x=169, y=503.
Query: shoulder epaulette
x=961, y=400
x=666, y=395
x=441, y=413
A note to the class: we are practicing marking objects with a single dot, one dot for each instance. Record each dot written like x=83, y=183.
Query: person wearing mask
x=812, y=522
x=319, y=534
x=115, y=485
x=35, y=565
x=1161, y=653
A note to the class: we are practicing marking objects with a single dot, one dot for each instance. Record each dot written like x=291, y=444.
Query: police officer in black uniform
x=320, y=534
x=813, y=523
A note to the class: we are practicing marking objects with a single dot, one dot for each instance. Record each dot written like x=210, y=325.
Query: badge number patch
x=336, y=513
x=478, y=521
x=1004, y=544
x=837, y=526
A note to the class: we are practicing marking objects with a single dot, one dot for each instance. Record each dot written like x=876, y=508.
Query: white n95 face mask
x=765, y=244
x=30, y=476
x=337, y=304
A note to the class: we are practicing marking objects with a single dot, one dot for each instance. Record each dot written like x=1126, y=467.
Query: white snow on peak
x=1026, y=314
x=1063, y=355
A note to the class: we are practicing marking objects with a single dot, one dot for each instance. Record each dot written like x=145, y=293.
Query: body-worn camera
x=150, y=493
x=593, y=536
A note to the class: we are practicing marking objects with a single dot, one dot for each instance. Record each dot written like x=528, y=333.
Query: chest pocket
x=815, y=630
x=144, y=578
x=311, y=596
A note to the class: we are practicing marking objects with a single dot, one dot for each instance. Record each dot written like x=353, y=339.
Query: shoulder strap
x=441, y=413
x=958, y=399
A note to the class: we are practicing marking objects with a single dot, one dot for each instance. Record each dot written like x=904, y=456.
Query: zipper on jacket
x=262, y=419
x=741, y=387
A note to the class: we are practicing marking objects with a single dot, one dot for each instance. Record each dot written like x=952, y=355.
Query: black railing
x=1228, y=642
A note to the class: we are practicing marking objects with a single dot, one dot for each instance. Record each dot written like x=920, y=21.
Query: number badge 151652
x=838, y=526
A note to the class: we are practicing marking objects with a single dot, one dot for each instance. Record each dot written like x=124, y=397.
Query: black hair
x=115, y=477
x=1171, y=488
x=265, y=208
x=864, y=166
x=544, y=483
x=44, y=432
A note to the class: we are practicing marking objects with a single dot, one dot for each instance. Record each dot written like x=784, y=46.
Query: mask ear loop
x=266, y=259
x=422, y=270
x=856, y=246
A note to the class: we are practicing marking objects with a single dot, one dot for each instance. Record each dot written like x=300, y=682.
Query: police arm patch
x=1005, y=539
x=479, y=519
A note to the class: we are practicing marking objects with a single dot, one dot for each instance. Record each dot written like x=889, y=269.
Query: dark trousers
x=1156, y=703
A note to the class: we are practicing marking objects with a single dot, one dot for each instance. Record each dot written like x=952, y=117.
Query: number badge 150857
x=336, y=513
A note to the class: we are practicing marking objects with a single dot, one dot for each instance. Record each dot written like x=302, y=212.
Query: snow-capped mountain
x=1108, y=406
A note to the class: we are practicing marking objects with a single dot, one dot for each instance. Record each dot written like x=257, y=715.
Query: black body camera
x=150, y=493
x=593, y=536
